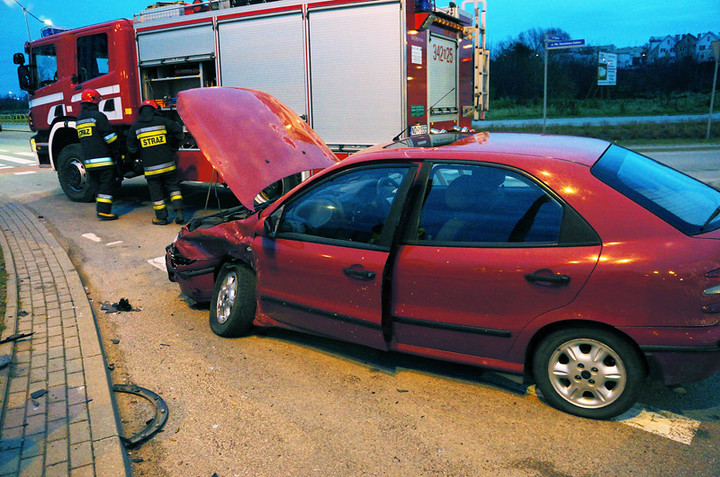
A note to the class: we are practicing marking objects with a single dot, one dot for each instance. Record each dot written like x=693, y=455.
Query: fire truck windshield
x=44, y=59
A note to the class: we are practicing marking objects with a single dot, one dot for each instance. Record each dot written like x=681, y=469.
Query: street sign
x=556, y=45
x=553, y=38
x=607, y=69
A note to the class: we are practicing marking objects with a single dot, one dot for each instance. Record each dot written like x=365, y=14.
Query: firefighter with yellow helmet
x=155, y=138
x=99, y=144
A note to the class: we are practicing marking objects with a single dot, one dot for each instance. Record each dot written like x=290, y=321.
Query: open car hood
x=251, y=138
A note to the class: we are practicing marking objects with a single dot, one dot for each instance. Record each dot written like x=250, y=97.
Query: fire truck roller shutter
x=443, y=73
x=271, y=58
x=196, y=42
x=356, y=66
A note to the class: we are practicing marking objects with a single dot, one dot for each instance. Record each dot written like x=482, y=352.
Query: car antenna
x=431, y=107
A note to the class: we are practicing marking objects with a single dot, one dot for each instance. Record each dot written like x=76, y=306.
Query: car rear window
x=685, y=203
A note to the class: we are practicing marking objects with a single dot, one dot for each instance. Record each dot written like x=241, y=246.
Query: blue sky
x=619, y=22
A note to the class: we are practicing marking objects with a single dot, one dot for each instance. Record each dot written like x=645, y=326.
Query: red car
x=584, y=266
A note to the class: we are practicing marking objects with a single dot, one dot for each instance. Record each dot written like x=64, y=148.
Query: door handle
x=547, y=277
x=359, y=273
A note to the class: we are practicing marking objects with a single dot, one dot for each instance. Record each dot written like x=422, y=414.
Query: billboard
x=607, y=69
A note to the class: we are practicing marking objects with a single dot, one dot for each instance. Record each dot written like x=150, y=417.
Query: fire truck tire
x=77, y=184
x=275, y=190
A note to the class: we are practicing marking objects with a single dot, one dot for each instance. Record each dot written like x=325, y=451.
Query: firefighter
x=99, y=146
x=155, y=138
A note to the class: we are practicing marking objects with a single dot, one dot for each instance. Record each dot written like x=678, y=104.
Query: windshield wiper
x=710, y=219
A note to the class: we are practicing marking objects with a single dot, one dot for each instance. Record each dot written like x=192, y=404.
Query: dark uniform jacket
x=155, y=139
x=96, y=136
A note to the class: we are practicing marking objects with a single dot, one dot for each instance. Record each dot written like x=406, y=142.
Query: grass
x=3, y=291
x=685, y=103
x=634, y=133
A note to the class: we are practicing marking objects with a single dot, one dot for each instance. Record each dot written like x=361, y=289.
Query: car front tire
x=232, y=307
x=590, y=373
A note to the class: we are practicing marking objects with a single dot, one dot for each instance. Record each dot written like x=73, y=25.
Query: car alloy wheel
x=232, y=309
x=589, y=373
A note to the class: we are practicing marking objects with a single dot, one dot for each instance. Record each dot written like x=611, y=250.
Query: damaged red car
x=581, y=265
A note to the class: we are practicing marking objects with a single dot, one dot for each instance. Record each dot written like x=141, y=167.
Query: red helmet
x=149, y=102
x=90, y=96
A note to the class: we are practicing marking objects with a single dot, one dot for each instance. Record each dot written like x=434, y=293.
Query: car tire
x=74, y=180
x=591, y=373
x=232, y=307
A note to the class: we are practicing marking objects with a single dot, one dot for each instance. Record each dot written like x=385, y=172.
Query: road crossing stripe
x=158, y=262
x=24, y=173
x=26, y=154
x=662, y=423
x=7, y=167
x=24, y=162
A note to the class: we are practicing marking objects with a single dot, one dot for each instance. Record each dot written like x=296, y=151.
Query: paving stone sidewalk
x=57, y=415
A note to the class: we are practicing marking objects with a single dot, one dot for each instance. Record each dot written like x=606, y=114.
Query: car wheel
x=588, y=372
x=232, y=307
x=77, y=184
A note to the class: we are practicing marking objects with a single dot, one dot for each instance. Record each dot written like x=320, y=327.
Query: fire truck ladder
x=481, y=59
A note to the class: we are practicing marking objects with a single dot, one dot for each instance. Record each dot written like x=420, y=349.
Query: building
x=703, y=51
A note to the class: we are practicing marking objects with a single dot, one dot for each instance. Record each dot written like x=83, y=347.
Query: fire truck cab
x=359, y=72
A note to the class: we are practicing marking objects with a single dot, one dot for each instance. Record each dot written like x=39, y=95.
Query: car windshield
x=685, y=203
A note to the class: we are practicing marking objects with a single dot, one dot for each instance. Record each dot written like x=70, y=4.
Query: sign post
x=553, y=42
x=716, y=53
x=607, y=69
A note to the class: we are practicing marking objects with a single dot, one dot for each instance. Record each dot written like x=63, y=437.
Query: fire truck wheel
x=77, y=184
x=275, y=190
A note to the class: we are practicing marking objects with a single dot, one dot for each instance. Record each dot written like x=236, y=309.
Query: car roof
x=580, y=150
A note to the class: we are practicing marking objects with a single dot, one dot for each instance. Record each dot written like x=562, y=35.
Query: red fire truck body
x=359, y=72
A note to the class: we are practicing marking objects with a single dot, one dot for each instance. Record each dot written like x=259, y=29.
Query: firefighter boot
x=161, y=213
x=103, y=206
x=177, y=202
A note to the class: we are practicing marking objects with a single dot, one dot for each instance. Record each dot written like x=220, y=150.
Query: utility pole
x=716, y=52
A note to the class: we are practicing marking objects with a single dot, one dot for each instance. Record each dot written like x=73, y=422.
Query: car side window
x=351, y=206
x=486, y=204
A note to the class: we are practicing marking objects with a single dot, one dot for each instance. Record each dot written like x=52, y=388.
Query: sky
x=618, y=22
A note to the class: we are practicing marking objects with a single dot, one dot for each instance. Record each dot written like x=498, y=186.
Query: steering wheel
x=385, y=189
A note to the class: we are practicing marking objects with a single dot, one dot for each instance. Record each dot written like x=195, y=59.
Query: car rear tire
x=588, y=372
x=77, y=184
x=232, y=307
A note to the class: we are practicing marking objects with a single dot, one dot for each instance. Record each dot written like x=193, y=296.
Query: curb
x=105, y=451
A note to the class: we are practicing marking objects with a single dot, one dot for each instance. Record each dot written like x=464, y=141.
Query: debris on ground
x=155, y=424
x=5, y=360
x=38, y=394
x=115, y=341
x=122, y=305
x=16, y=337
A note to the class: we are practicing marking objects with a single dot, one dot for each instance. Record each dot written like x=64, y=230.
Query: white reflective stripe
x=98, y=159
x=149, y=129
x=51, y=98
x=107, y=90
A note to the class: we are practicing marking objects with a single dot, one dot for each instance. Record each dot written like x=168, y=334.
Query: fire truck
x=359, y=72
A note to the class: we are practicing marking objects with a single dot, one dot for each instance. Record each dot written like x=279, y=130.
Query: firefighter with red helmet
x=155, y=138
x=99, y=144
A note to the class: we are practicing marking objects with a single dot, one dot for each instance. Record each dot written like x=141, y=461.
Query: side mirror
x=25, y=79
x=272, y=222
x=19, y=59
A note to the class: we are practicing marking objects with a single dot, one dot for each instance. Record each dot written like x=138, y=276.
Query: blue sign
x=554, y=45
x=553, y=38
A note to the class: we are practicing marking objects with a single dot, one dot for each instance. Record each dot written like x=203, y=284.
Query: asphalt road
x=280, y=403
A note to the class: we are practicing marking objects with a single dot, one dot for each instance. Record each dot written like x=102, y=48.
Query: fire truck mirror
x=25, y=79
x=19, y=59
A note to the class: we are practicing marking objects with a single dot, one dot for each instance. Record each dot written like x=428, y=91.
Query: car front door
x=322, y=272
x=490, y=249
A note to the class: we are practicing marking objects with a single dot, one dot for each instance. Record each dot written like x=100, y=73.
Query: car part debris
x=155, y=425
x=39, y=393
x=5, y=360
x=122, y=305
x=16, y=337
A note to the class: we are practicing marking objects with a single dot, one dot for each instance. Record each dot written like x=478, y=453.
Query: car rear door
x=488, y=250
x=323, y=270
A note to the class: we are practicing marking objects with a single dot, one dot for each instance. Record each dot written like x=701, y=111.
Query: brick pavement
x=72, y=429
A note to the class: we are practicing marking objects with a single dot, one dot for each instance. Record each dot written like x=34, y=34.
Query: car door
x=323, y=270
x=488, y=250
